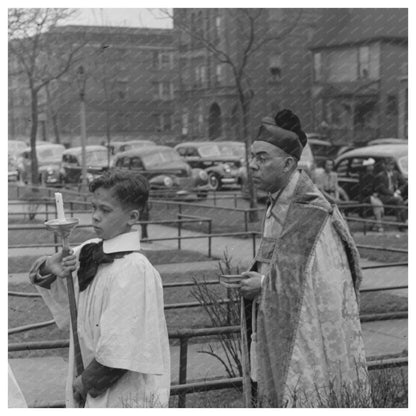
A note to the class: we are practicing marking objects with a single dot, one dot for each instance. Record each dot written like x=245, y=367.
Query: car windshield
x=160, y=157
x=135, y=145
x=45, y=153
x=232, y=149
x=210, y=151
x=403, y=164
x=97, y=157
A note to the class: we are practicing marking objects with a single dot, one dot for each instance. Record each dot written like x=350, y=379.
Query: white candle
x=59, y=206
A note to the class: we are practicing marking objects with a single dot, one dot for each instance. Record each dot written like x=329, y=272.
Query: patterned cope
x=307, y=333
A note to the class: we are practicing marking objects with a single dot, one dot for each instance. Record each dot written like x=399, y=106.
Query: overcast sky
x=133, y=17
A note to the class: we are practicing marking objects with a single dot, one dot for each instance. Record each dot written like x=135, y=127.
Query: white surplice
x=121, y=323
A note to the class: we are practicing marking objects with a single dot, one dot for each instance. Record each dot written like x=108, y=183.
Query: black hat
x=283, y=131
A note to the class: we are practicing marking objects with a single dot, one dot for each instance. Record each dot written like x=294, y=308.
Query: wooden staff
x=245, y=361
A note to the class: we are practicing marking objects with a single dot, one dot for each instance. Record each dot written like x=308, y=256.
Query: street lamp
x=81, y=79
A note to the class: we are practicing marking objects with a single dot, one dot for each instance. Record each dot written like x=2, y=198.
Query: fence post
x=209, y=238
x=183, y=363
x=71, y=208
x=253, y=235
x=46, y=210
x=179, y=230
x=245, y=221
x=235, y=200
x=228, y=306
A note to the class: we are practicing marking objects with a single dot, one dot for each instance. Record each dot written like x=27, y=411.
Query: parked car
x=168, y=174
x=96, y=160
x=323, y=149
x=15, y=147
x=350, y=164
x=49, y=164
x=134, y=144
x=234, y=148
x=13, y=175
x=391, y=140
x=222, y=168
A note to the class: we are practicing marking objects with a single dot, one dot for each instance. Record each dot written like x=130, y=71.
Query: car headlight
x=168, y=182
x=203, y=175
x=50, y=171
x=227, y=168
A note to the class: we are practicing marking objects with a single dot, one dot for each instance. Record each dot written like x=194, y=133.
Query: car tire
x=214, y=181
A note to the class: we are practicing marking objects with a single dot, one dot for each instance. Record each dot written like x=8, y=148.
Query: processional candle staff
x=63, y=226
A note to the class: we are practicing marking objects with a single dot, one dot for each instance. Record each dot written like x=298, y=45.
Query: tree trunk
x=33, y=133
x=253, y=216
x=56, y=128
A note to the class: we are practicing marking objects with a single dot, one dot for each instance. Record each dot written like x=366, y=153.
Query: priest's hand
x=251, y=286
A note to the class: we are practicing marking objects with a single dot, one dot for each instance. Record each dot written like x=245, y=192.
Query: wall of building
x=393, y=66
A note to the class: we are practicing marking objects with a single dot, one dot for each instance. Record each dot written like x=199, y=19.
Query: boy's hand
x=79, y=390
x=60, y=266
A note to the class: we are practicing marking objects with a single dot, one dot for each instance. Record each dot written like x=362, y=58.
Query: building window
x=275, y=67
x=201, y=76
x=218, y=23
x=364, y=62
x=218, y=74
x=317, y=66
x=341, y=65
x=162, y=60
x=185, y=122
x=163, y=90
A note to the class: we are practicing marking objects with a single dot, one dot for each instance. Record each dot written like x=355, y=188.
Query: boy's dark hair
x=131, y=189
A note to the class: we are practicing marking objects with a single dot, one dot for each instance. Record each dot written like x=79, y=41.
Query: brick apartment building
x=359, y=85
x=344, y=71
x=331, y=63
x=129, y=78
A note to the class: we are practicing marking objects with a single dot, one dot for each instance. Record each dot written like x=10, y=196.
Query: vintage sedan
x=350, y=164
x=49, y=164
x=96, y=161
x=168, y=174
x=222, y=167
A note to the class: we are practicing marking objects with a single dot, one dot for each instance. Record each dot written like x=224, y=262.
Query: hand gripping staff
x=63, y=227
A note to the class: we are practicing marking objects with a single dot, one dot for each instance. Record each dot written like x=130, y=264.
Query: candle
x=59, y=206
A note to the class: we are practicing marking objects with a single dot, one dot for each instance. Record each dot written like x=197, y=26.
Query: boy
x=121, y=323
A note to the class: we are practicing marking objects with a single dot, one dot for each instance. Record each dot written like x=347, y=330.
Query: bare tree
x=38, y=56
x=254, y=33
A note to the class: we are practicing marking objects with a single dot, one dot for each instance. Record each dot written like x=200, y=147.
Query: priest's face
x=270, y=166
x=109, y=217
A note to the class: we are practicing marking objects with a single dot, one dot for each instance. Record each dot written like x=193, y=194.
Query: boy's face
x=109, y=217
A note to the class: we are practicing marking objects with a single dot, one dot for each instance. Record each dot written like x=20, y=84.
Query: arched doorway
x=214, y=122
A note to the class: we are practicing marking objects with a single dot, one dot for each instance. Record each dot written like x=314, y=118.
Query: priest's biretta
x=284, y=131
